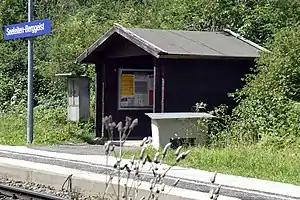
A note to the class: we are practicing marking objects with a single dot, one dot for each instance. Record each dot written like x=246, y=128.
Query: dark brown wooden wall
x=111, y=93
x=190, y=81
x=186, y=82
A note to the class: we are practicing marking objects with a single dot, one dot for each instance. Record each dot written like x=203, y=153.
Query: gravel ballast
x=44, y=189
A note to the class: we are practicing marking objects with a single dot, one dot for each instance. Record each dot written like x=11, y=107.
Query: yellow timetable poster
x=127, y=85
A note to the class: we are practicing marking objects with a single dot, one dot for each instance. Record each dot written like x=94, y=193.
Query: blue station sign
x=27, y=29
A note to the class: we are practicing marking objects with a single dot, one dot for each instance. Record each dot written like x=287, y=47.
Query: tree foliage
x=266, y=104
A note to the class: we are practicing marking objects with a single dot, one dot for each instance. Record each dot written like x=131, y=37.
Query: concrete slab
x=189, y=176
x=85, y=182
x=128, y=143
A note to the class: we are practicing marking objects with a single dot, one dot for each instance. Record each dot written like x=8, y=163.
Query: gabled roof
x=177, y=43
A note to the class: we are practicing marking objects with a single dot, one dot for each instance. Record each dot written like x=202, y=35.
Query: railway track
x=9, y=192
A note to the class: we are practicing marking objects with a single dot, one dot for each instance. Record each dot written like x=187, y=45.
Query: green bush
x=268, y=105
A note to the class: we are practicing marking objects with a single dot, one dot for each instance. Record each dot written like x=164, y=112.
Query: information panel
x=135, y=89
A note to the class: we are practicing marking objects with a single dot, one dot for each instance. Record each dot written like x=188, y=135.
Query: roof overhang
x=140, y=42
x=152, y=49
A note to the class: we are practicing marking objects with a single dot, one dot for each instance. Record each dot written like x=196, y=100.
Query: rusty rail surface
x=10, y=192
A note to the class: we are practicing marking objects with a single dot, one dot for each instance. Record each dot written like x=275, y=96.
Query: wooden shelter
x=148, y=70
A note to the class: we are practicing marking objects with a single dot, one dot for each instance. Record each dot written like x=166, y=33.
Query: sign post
x=30, y=80
x=29, y=30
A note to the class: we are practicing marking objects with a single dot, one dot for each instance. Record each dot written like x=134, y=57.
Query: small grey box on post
x=78, y=97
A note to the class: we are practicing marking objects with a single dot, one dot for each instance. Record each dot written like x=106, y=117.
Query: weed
x=140, y=164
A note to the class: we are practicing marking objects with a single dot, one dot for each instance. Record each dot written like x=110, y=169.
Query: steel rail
x=14, y=192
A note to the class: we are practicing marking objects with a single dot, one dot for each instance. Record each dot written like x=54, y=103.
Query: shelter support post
x=103, y=75
x=158, y=103
x=99, y=100
x=162, y=89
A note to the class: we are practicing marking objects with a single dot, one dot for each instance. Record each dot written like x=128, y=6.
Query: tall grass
x=248, y=161
x=50, y=127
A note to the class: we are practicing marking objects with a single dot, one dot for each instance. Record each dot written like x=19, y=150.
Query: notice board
x=135, y=89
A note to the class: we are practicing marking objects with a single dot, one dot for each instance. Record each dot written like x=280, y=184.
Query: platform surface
x=89, y=161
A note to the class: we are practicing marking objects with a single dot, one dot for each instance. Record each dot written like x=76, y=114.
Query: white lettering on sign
x=14, y=31
x=26, y=29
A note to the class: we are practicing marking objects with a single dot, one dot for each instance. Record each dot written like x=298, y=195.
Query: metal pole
x=30, y=80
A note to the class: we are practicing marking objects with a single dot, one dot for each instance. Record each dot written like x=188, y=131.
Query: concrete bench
x=165, y=126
